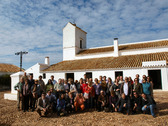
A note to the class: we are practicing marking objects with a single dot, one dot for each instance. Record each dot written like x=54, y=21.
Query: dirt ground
x=9, y=115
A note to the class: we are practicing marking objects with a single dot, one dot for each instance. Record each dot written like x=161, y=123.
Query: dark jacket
x=138, y=101
x=121, y=102
x=148, y=101
x=113, y=100
x=138, y=88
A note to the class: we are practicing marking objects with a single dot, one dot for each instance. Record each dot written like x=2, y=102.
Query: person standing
x=137, y=87
x=31, y=83
x=49, y=85
x=42, y=85
x=35, y=90
x=18, y=87
x=116, y=88
x=59, y=87
x=146, y=86
x=52, y=79
x=26, y=93
x=25, y=77
x=97, y=88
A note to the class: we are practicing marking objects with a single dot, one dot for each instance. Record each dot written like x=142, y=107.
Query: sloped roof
x=126, y=47
x=8, y=68
x=129, y=61
x=78, y=27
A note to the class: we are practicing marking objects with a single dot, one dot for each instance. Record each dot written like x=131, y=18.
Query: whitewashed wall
x=78, y=75
x=56, y=76
x=164, y=75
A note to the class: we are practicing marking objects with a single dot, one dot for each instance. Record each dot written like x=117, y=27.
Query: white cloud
x=36, y=26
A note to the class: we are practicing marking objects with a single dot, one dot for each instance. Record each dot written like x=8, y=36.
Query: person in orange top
x=79, y=102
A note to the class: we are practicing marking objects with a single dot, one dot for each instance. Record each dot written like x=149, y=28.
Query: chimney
x=47, y=60
x=116, y=53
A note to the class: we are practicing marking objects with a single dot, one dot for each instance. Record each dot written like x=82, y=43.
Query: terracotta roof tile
x=126, y=47
x=108, y=62
x=8, y=68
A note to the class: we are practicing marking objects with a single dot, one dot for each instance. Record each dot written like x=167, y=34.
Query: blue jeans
x=151, y=107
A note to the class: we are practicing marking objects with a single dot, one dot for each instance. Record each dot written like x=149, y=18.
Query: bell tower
x=74, y=40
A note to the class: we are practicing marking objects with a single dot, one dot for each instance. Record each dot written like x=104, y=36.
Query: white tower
x=74, y=40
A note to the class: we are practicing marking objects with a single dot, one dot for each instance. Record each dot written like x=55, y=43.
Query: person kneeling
x=112, y=101
x=43, y=105
x=101, y=101
x=79, y=102
x=148, y=103
x=61, y=105
x=124, y=105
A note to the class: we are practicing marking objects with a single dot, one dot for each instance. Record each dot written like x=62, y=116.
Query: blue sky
x=36, y=25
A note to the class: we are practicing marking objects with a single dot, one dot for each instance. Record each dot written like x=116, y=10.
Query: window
x=44, y=75
x=81, y=44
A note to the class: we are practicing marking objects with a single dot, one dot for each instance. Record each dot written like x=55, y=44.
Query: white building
x=144, y=58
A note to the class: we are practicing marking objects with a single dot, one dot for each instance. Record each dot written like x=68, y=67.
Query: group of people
x=67, y=96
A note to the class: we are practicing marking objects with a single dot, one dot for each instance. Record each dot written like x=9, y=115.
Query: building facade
x=144, y=58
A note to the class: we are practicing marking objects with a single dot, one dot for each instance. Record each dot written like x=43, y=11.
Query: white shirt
x=44, y=104
x=125, y=88
x=72, y=87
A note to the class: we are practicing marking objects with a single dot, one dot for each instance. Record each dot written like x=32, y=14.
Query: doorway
x=88, y=74
x=69, y=75
x=156, y=78
x=118, y=73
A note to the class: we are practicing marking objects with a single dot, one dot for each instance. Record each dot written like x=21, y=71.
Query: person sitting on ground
x=123, y=104
x=79, y=102
x=136, y=103
x=18, y=87
x=113, y=99
x=61, y=105
x=148, y=103
x=70, y=103
x=52, y=100
x=101, y=101
x=43, y=104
